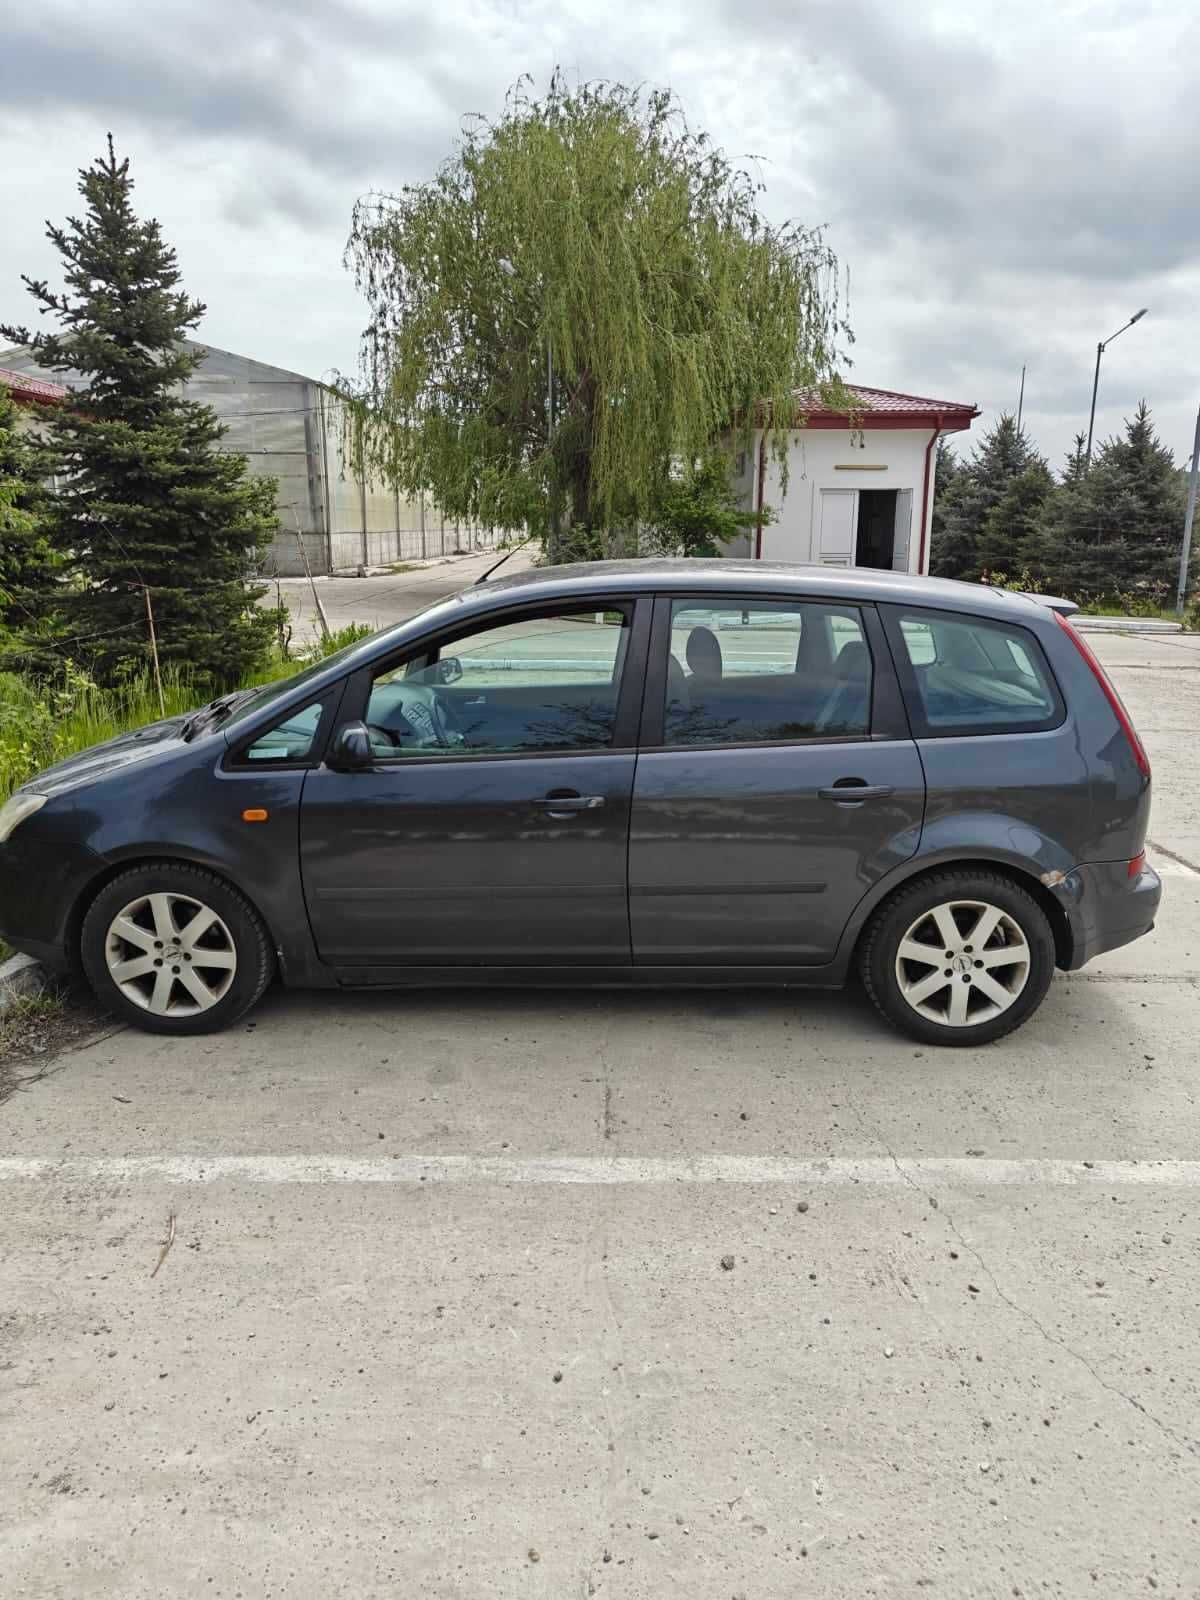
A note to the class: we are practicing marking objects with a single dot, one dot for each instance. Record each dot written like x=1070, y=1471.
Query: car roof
x=749, y=578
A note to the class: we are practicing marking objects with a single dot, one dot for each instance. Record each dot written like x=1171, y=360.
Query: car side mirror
x=351, y=748
x=449, y=669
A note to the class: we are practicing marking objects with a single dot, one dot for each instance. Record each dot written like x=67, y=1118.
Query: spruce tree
x=148, y=501
x=27, y=565
x=947, y=472
x=992, y=506
x=1115, y=529
x=1008, y=537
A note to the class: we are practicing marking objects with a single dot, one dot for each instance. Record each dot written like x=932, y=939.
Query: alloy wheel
x=170, y=954
x=962, y=963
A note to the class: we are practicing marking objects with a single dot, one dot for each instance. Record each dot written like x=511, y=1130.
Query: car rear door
x=777, y=780
x=506, y=844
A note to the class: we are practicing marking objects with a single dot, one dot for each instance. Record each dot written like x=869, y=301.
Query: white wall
x=834, y=459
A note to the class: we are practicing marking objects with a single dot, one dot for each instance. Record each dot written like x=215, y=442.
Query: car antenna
x=503, y=559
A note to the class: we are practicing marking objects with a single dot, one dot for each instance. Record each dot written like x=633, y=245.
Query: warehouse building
x=291, y=429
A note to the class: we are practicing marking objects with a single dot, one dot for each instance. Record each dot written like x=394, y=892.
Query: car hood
x=113, y=754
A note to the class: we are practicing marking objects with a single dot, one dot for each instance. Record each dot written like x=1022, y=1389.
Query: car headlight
x=13, y=812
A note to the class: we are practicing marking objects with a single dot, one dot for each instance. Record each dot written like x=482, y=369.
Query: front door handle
x=853, y=791
x=566, y=805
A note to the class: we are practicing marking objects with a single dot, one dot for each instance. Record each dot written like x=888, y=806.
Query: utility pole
x=1186, y=552
x=1021, y=399
x=162, y=701
x=321, y=617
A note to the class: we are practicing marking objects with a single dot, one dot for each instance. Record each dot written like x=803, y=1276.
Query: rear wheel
x=958, y=958
x=175, y=949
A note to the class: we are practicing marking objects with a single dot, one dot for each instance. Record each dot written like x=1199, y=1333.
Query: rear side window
x=967, y=675
x=764, y=672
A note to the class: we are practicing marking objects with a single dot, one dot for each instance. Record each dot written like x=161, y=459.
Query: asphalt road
x=446, y=1313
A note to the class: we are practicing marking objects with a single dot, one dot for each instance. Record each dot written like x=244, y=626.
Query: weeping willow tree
x=585, y=293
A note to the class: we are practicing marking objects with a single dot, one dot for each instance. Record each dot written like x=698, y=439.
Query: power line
x=33, y=641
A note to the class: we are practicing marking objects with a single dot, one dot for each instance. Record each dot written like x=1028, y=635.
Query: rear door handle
x=848, y=793
x=565, y=805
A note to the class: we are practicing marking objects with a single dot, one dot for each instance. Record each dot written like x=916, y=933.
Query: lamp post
x=1100, y=349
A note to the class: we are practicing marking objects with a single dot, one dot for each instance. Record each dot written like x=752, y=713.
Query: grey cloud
x=927, y=135
x=291, y=85
x=1004, y=180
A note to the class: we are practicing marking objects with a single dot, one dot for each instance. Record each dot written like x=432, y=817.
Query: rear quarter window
x=972, y=675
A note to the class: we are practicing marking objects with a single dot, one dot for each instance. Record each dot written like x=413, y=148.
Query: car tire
x=174, y=949
x=961, y=957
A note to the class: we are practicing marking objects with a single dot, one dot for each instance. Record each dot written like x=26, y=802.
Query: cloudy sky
x=1006, y=182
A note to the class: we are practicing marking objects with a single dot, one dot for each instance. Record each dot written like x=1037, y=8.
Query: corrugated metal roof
x=40, y=390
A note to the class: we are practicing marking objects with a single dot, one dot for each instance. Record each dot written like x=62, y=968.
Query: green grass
x=40, y=725
x=44, y=723
x=1134, y=612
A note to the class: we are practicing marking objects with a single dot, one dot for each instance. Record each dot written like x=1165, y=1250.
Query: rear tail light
x=1136, y=865
x=1110, y=694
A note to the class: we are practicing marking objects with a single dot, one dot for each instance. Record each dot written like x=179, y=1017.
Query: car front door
x=491, y=826
x=777, y=781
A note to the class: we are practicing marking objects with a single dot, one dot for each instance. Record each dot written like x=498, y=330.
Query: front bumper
x=1107, y=908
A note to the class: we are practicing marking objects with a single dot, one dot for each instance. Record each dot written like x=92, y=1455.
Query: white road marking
x=924, y=1172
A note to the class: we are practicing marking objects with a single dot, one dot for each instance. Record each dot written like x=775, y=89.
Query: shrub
x=350, y=634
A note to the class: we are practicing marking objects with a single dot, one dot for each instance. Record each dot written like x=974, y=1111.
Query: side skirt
x=830, y=976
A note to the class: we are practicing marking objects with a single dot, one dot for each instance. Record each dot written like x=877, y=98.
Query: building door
x=902, y=544
x=838, y=523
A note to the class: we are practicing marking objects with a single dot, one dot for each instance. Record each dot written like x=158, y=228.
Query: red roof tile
x=40, y=390
x=889, y=408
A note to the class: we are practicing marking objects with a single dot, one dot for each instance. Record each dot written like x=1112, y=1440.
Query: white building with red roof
x=27, y=390
x=860, y=485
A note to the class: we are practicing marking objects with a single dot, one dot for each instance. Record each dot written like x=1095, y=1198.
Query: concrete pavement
x=446, y=1313
x=387, y=597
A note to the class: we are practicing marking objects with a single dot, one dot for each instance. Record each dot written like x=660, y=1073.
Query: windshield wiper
x=215, y=711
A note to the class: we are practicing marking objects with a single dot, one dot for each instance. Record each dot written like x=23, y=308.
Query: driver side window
x=545, y=683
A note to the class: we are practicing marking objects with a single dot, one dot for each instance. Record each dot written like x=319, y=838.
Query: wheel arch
x=925, y=867
x=112, y=870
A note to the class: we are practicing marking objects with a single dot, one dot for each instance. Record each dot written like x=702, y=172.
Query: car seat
x=704, y=655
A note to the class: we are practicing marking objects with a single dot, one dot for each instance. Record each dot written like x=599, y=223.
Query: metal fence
x=352, y=549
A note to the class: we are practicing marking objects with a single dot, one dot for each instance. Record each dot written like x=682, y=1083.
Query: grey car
x=643, y=773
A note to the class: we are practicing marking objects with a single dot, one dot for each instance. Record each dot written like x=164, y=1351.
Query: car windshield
x=273, y=691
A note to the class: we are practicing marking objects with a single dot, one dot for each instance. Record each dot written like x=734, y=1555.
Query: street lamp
x=1100, y=349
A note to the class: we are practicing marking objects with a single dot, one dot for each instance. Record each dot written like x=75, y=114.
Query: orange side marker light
x=254, y=814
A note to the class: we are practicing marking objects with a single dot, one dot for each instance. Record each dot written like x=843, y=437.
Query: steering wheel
x=425, y=713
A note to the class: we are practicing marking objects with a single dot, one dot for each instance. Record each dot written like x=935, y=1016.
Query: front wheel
x=175, y=949
x=958, y=958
